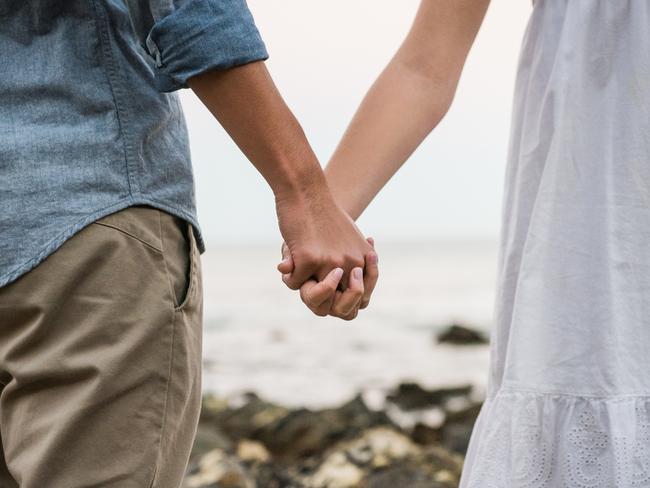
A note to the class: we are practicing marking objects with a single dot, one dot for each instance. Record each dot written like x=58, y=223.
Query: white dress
x=568, y=401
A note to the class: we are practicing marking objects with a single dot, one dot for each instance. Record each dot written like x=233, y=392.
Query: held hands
x=324, y=297
x=324, y=255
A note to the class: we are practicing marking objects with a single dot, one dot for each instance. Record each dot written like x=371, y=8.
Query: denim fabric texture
x=89, y=123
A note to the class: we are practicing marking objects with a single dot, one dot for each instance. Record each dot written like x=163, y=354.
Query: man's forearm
x=249, y=107
x=319, y=234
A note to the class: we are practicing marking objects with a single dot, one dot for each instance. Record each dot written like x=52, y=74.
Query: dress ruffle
x=526, y=439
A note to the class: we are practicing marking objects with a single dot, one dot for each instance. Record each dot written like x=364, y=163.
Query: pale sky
x=323, y=56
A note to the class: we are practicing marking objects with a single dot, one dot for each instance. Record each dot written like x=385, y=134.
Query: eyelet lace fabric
x=532, y=440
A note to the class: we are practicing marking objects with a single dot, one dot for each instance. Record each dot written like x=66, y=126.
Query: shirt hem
x=58, y=241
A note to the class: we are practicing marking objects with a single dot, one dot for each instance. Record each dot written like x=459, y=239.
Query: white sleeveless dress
x=568, y=401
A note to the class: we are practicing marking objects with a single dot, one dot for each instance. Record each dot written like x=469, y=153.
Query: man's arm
x=215, y=47
x=320, y=235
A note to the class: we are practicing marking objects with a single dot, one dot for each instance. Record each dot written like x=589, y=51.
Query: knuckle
x=351, y=316
x=334, y=261
x=307, y=257
x=355, y=260
x=336, y=311
x=347, y=311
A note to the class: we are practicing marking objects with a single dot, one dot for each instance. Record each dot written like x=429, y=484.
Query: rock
x=425, y=434
x=303, y=433
x=212, y=406
x=252, y=451
x=385, y=458
x=401, y=475
x=411, y=396
x=461, y=335
x=347, y=463
x=209, y=435
x=433, y=467
x=255, y=443
x=219, y=469
x=457, y=428
x=277, y=475
x=245, y=422
x=337, y=472
x=209, y=438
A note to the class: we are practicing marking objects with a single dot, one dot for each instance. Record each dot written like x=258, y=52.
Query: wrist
x=299, y=179
x=346, y=196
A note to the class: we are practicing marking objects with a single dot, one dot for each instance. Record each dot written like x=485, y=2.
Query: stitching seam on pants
x=164, y=416
x=104, y=224
x=168, y=275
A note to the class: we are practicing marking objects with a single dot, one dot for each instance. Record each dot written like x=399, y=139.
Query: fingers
x=371, y=275
x=337, y=294
x=314, y=293
x=318, y=296
x=346, y=304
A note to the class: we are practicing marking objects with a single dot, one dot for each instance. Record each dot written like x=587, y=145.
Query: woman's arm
x=407, y=101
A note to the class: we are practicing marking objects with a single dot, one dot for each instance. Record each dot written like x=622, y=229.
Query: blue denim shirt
x=88, y=123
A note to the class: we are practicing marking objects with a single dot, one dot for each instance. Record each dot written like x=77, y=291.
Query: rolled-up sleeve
x=188, y=37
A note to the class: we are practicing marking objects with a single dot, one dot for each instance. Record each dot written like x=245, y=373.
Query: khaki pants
x=100, y=358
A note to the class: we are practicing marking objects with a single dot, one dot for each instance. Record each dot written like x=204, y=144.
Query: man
x=100, y=279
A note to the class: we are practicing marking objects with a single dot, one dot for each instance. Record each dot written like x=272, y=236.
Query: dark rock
x=432, y=467
x=457, y=428
x=276, y=475
x=303, y=433
x=401, y=475
x=247, y=421
x=411, y=396
x=425, y=435
x=461, y=335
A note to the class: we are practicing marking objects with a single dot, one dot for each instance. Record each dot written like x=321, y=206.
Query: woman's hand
x=325, y=298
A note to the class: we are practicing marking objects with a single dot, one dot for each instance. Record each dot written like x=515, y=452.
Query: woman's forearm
x=406, y=102
x=398, y=112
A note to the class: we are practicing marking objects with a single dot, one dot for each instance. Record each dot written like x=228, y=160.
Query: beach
x=264, y=352
x=259, y=337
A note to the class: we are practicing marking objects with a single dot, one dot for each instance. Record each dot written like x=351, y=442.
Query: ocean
x=259, y=337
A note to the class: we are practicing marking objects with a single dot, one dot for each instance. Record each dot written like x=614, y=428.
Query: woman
x=568, y=390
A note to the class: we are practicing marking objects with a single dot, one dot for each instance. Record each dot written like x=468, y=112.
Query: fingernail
x=338, y=273
x=358, y=273
x=373, y=258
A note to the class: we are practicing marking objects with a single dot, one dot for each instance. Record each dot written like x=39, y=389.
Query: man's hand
x=319, y=237
x=324, y=298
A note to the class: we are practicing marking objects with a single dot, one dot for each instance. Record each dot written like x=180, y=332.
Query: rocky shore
x=413, y=437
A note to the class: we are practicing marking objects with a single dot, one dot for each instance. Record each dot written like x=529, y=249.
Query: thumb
x=286, y=266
